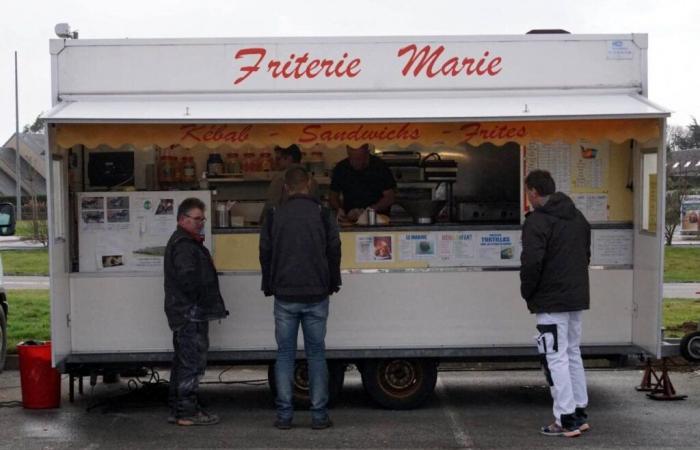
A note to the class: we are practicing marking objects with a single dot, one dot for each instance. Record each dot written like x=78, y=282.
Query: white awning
x=351, y=107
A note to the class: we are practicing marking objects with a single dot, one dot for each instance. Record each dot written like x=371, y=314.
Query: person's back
x=560, y=282
x=299, y=260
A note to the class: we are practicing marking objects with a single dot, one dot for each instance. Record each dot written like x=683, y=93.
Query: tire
x=3, y=339
x=399, y=383
x=690, y=346
x=301, y=394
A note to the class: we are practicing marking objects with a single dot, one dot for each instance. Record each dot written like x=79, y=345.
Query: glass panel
x=649, y=192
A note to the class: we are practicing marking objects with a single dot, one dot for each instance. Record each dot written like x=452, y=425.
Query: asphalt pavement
x=469, y=410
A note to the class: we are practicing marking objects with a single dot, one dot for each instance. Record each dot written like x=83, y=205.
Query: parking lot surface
x=473, y=409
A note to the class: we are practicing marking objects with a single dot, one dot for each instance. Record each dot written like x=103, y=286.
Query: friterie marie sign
x=414, y=61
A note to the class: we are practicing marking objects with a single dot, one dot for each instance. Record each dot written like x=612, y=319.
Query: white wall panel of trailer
x=118, y=314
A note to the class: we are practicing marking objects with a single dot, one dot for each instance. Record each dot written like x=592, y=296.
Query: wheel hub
x=400, y=375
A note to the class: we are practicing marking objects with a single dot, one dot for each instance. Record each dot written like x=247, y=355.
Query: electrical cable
x=10, y=404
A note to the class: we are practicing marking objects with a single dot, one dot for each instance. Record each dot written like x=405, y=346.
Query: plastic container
x=249, y=163
x=233, y=163
x=189, y=169
x=166, y=169
x=266, y=162
x=215, y=165
x=41, y=383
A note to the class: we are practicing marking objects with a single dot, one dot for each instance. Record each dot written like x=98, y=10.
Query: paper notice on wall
x=417, y=246
x=374, y=249
x=92, y=214
x=129, y=231
x=553, y=157
x=593, y=206
x=612, y=247
x=465, y=246
x=496, y=247
x=590, y=165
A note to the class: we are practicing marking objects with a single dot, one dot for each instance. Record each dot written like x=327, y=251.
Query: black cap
x=292, y=151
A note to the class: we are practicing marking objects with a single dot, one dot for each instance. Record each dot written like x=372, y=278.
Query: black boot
x=568, y=422
x=582, y=419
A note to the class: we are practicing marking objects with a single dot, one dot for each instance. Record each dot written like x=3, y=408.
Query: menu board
x=553, y=157
x=128, y=231
x=580, y=170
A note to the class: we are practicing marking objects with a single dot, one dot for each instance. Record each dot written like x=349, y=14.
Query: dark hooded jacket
x=191, y=283
x=556, y=253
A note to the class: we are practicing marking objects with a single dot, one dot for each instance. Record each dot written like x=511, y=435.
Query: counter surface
x=441, y=226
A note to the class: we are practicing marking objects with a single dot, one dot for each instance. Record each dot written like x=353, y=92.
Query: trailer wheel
x=690, y=346
x=3, y=339
x=399, y=383
x=301, y=394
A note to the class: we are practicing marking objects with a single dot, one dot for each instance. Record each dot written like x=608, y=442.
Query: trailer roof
x=351, y=107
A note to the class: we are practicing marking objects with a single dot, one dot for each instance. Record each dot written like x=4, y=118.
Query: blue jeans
x=313, y=318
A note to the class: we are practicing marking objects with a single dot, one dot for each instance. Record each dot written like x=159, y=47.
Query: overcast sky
x=27, y=25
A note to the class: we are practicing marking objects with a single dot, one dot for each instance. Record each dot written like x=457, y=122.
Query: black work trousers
x=191, y=343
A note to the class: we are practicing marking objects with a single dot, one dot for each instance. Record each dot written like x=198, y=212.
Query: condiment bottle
x=215, y=165
x=189, y=170
x=266, y=162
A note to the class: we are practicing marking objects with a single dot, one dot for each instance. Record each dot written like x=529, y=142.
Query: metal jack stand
x=661, y=387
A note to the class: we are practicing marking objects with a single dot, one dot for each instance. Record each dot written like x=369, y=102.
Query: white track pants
x=559, y=341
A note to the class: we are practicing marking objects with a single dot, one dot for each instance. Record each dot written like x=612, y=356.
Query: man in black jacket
x=554, y=282
x=192, y=299
x=300, y=260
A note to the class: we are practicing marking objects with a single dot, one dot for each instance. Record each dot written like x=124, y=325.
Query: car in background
x=7, y=228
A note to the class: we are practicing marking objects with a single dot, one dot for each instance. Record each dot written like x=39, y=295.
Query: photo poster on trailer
x=580, y=170
x=128, y=231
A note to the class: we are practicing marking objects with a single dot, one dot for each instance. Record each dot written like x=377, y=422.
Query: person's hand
x=341, y=215
x=354, y=214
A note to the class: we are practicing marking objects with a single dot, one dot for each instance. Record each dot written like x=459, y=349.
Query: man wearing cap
x=364, y=181
x=285, y=158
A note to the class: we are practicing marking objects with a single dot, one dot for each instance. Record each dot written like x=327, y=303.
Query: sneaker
x=172, y=419
x=557, y=430
x=200, y=418
x=581, y=419
x=321, y=424
x=283, y=424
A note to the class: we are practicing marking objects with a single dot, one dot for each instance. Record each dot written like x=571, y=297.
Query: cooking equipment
x=423, y=211
x=489, y=212
x=440, y=169
x=404, y=165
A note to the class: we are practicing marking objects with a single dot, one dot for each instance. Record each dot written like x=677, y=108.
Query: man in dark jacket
x=300, y=259
x=554, y=282
x=192, y=299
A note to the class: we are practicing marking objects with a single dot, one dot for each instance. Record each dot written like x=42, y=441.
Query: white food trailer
x=130, y=115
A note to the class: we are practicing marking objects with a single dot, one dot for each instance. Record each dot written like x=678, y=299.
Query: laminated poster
x=495, y=248
x=92, y=214
x=374, y=248
x=594, y=207
x=589, y=167
x=612, y=247
x=555, y=158
x=418, y=246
